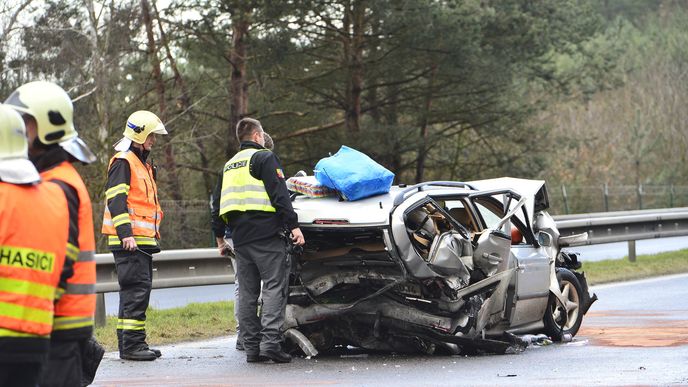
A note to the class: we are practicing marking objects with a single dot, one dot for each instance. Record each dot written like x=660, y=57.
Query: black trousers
x=135, y=275
x=19, y=374
x=266, y=261
x=64, y=364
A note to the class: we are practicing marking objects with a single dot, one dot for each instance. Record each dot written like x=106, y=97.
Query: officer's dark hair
x=246, y=127
x=269, y=143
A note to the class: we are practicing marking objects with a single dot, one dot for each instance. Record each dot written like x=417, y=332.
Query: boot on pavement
x=154, y=350
x=278, y=356
x=140, y=355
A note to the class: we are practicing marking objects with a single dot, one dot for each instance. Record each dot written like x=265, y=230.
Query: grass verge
x=615, y=270
x=195, y=321
x=199, y=321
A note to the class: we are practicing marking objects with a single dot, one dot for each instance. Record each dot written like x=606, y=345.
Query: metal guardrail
x=172, y=269
x=608, y=227
x=197, y=267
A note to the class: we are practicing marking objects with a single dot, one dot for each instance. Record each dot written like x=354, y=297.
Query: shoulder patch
x=280, y=173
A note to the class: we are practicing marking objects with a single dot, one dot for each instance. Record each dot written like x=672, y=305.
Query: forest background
x=590, y=96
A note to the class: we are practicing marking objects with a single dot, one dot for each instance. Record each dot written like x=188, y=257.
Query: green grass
x=199, y=321
x=195, y=321
x=615, y=270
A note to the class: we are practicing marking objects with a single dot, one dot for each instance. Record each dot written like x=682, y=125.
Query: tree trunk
x=239, y=84
x=185, y=103
x=170, y=162
x=354, y=20
x=425, y=117
x=101, y=79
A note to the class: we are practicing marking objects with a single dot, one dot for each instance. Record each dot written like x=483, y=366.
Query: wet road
x=637, y=334
x=172, y=298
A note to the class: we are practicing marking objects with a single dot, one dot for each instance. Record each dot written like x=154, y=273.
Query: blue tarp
x=353, y=174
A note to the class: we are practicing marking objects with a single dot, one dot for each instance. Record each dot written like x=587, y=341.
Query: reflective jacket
x=241, y=191
x=144, y=212
x=75, y=310
x=31, y=261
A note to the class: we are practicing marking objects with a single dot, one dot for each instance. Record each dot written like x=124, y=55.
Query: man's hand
x=224, y=247
x=129, y=243
x=297, y=237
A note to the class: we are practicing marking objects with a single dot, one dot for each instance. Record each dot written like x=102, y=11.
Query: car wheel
x=562, y=319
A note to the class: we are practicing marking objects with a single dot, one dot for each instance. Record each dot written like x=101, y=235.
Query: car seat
x=460, y=214
x=422, y=228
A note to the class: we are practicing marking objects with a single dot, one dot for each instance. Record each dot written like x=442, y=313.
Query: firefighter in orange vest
x=54, y=145
x=30, y=265
x=132, y=223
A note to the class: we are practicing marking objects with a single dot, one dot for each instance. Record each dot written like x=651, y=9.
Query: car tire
x=560, y=321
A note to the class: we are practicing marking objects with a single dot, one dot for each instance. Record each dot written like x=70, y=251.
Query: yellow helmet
x=53, y=111
x=15, y=166
x=139, y=125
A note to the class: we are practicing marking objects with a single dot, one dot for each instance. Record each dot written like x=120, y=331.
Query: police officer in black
x=255, y=204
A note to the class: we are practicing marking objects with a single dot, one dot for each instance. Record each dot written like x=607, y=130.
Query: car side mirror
x=544, y=239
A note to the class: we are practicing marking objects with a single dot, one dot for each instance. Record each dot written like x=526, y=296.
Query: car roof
x=530, y=189
x=375, y=210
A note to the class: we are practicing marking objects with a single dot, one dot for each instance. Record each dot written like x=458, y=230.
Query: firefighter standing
x=256, y=205
x=131, y=222
x=53, y=146
x=30, y=266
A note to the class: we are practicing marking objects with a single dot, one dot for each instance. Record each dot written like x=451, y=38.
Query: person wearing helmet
x=54, y=145
x=131, y=223
x=30, y=266
x=223, y=237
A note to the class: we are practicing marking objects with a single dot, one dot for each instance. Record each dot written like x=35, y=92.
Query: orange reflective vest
x=76, y=308
x=145, y=213
x=34, y=223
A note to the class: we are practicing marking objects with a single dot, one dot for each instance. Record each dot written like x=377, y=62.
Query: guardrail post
x=100, y=309
x=631, y=251
x=566, y=199
x=671, y=196
x=640, y=196
x=605, y=192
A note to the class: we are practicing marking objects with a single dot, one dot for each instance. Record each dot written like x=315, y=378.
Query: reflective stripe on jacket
x=31, y=260
x=241, y=191
x=145, y=213
x=76, y=308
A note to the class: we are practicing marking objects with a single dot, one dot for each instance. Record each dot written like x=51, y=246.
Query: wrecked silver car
x=437, y=267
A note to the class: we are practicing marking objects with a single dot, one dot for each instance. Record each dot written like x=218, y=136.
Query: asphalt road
x=172, y=298
x=637, y=334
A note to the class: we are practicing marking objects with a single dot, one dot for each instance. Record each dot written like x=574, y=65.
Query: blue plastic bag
x=353, y=174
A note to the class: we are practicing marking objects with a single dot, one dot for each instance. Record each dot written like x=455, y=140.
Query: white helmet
x=15, y=166
x=52, y=109
x=140, y=125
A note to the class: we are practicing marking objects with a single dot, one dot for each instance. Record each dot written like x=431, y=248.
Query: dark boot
x=140, y=355
x=154, y=350
x=278, y=356
x=255, y=358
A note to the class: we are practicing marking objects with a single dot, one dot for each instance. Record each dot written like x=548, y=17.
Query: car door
x=532, y=265
x=493, y=240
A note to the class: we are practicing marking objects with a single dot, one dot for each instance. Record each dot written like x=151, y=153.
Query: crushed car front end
x=405, y=272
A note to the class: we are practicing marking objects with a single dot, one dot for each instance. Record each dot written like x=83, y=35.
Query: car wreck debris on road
x=438, y=267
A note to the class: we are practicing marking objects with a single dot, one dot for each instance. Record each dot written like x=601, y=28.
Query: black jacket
x=251, y=226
